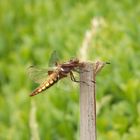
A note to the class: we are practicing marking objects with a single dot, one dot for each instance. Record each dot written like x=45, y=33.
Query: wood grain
x=87, y=103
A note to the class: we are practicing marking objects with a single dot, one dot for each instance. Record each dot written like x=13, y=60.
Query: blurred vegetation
x=30, y=30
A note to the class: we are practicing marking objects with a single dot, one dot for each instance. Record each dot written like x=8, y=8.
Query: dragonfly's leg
x=74, y=80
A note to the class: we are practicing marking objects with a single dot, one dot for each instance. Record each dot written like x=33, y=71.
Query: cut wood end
x=99, y=65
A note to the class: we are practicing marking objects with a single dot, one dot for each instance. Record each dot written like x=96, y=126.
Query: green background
x=31, y=29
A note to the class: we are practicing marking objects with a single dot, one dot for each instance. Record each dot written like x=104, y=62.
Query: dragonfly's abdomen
x=52, y=79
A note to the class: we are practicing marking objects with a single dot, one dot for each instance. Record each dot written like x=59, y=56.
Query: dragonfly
x=47, y=78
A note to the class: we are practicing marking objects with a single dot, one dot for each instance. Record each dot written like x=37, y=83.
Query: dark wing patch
x=54, y=58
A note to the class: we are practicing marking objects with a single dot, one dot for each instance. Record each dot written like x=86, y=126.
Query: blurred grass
x=30, y=30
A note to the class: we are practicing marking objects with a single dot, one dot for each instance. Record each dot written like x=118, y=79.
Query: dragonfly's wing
x=54, y=58
x=38, y=75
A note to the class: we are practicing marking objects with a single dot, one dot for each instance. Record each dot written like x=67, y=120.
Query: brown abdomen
x=52, y=79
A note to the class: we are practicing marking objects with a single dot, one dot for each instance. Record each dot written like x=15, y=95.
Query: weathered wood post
x=88, y=100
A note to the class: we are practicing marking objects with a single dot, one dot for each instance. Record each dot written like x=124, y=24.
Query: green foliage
x=31, y=30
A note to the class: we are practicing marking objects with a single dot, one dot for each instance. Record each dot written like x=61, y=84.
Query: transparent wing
x=54, y=58
x=38, y=75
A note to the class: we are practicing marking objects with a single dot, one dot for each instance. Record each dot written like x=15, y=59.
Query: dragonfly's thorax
x=70, y=66
x=65, y=70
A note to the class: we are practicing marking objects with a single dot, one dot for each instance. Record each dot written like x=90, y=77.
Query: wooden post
x=87, y=104
x=88, y=100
